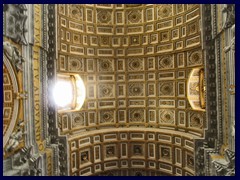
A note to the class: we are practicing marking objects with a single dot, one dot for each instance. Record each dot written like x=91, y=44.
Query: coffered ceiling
x=118, y=89
x=135, y=61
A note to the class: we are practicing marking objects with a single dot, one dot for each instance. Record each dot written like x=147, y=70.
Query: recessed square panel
x=181, y=118
x=74, y=160
x=167, y=117
x=151, y=136
x=85, y=156
x=137, y=115
x=151, y=76
x=119, y=15
x=165, y=153
x=110, y=151
x=189, y=161
x=7, y=112
x=90, y=65
x=121, y=90
x=150, y=50
x=122, y=103
x=97, y=153
x=115, y=41
x=121, y=77
x=124, y=163
x=181, y=104
x=91, y=91
x=122, y=116
x=178, y=156
x=167, y=89
x=123, y=136
x=92, y=118
x=178, y=140
x=181, y=89
x=97, y=167
x=120, y=52
x=94, y=41
x=151, y=89
x=107, y=116
x=151, y=150
x=121, y=64
x=145, y=39
x=151, y=63
x=97, y=139
x=89, y=13
x=73, y=145
x=8, y=96
x=65, y=122
x=179, y=20
x=150, y=14
x=175, y=34
x=152, y=165
x=119, y=30
x=137, y=150
x=124, y=149
x=164, y=36
x=152, y=103
x=62, y=62
x=181, y=74
x=180, y=60
x=152, y=116
x=6, y=79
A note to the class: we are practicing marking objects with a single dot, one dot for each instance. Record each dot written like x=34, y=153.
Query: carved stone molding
x=210, y=69
x=51, y=72
x=208, y=145
x=25, y=163
x=229, y=9
x=14, y=56
x=209, y=157
x=63, y=156
x=15, y=20
x=226, y=166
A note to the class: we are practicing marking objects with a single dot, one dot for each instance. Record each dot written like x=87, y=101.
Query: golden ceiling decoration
x=139, y=89
x=135, y=61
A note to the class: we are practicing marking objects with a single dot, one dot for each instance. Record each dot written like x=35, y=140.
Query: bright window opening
x=63, y=93
x=69, y=92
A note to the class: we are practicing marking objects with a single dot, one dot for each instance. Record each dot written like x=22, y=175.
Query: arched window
x=69, y=92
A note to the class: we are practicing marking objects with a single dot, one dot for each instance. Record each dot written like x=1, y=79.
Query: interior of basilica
x=118, y=90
